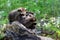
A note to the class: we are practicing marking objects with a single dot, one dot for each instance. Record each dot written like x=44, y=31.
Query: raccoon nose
x=33, y=20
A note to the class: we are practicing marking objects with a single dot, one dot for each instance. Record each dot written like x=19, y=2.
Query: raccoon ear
x=21, y=9
x=30, y=13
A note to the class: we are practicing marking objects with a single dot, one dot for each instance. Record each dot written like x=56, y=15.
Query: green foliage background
x=41, y=9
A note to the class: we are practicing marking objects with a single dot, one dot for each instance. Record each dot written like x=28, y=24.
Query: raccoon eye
x=22, y=14
x=19, y=10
